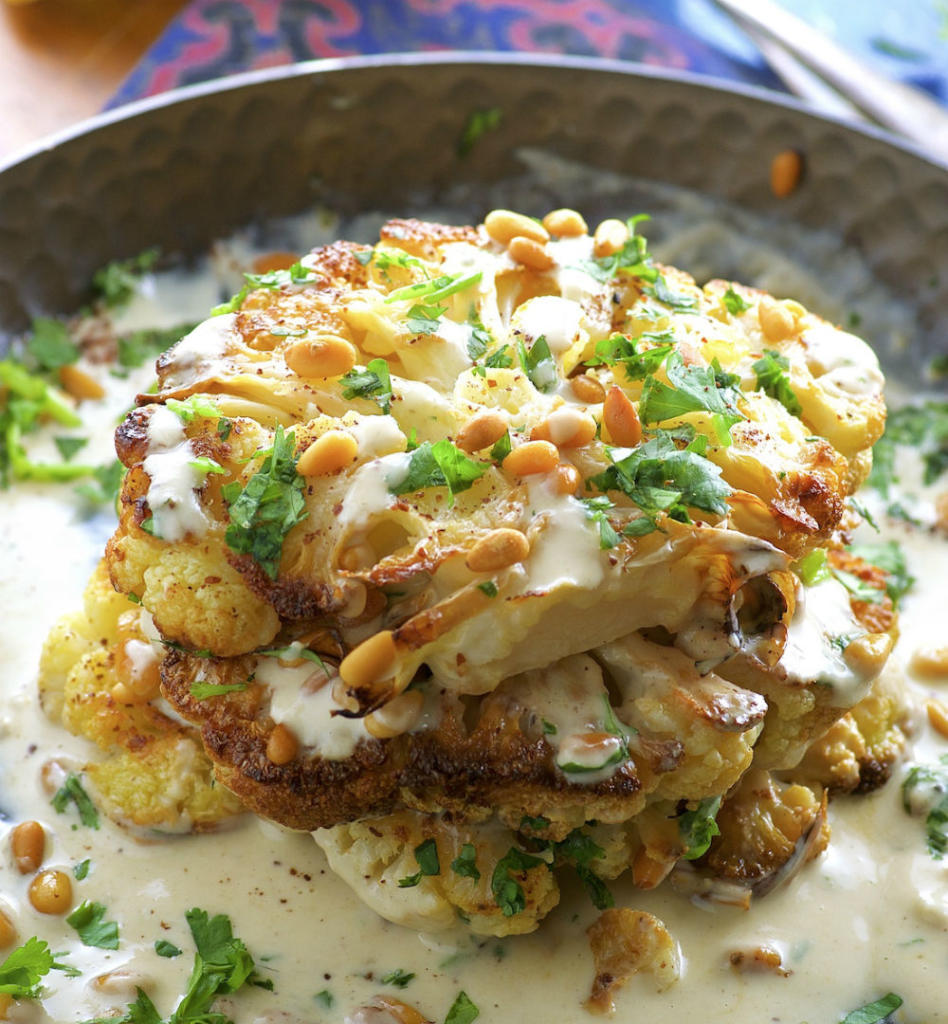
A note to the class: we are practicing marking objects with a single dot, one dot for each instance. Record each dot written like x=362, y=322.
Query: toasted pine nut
x=621, y=419
x=532, y=457
x=530, y=253
x=123, y=981
x=610, y=236
x=394, y=1010
x=565, y=223
x=776, y=321
x=503, y=225
x=566, y=479
x=497, y=550
x=7, y=931
x=587, y=389
x=930, y=663
x=786, y=169
x=484, y=429
x=6, y=1003
x=282, y=745
x=395, y=717
x=325, y=356
x=276, y=260
x=28, y=843
x=78, y=383
x=647, y=872
x=372, y=660
x=52, y=775
x=50, y=892
x=328, y=454
x=938, y=716
x=566, y=427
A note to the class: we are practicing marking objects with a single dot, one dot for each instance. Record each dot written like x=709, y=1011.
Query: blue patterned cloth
x=211, y=38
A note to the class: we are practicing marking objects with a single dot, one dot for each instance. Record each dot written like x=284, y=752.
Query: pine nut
x=566, y=428
x=50, y=892
x=325, y=356
x=930, y=663
x=620, y=419
x=938, y=717
x=282, y=745
x=499, y=549
x=486, y=428
x=503, y=225
x=123, y=981
x=328, y=454
x=28, y=843
x=394, y=1010
x=566, y=479
x=609, y=238
x=7, y=931
x=587, y=389
x=372, y=660
x=530, y=254
x=532, y=457
x=786, y=170
x=776, y=321
x=6, y=1003
x=397, y=716
x=565, y=223
x=276, y=260
x=79, y=384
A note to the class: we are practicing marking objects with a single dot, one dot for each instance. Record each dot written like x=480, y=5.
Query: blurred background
x=64, y=60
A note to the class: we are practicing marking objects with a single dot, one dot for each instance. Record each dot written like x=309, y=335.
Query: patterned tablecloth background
x=211, y=38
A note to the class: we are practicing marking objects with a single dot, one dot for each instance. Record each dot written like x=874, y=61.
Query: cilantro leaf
x=633, y=258
x=508, y=892
x=734, y=303
x=580, y=850
x=24, y=968
x=424, y=319
x=925, y=791
x=104, y=487
x=81, y=870
x=50, y=344
x=462, y=1011
x=480, y=340
x=465, y=864
x=538, y=364
x=596, y=509
x=426, y=856
x=399, y=978
x=923, y=427
x=439, y=465
x=874, y=1013
x=638, y=362
x=478, y=123
x=501, y=448
x=488, y=587
x=297, y=274
x=88, y=920
x=202, y=691
x=115, y=283
x=698, y=827
x=325, y=998
x=373, y=382
x=889, y=557
x=773, y=379
x=694, y=389
x=71, y=791
x=69, y=446
x=166, y=949
x=683, y=302
x=268, y=507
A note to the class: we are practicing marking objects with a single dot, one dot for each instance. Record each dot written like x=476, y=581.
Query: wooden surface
x=61, y=60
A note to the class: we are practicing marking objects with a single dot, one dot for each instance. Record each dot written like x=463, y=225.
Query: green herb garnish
x=89, y=921
x=439, y=465
x=508, y=892
x=462, y=1011
x=399, y=978
x=773, y=379
x=698, y=827
x=734, y=303
x=166, y=949
x=426, y=857
x=874, y=1013
x=638, y=362
x=465, y=864
x=71, y=791
x=694, y=389
x=116, y=282
x=479, y=122
x=925, y=790
x=373, y=382
x=538, y=364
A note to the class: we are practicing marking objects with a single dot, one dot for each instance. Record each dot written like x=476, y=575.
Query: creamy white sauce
x=552, y=317
x=574, y=282
x=174, y=479
x=377, y=435
x=369, y=491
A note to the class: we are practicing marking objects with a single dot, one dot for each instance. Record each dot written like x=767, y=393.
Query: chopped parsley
x=202, y=691
x=489, y=588
x=268, y=507
x=24, y=969
x=166, y=949
x=373, y=382
x=462, y=1011
x=682, y=302
x=424, y=319
x=81, y=870
x=385, y=259
x=479, y=122
x=694, y=389
x=596, y=510
x=501, y=448
x=923, y=427
x=325, y=999
x=480, y=340
x=71, y=791
x=104, y=486
x=874, y=1013
x=292, y=652
x=508, y=892
x=889, y=557
x=426, y=857
x=633, y=258
x=734, y=303
x=399, y=978
x=638, y=362
x=69, y=446
x=439, y=465
x=660, y=479
x=435, y=290
x=297, y=274
x=116, y=282
x=773, y=379
x=814, y=568
x=698, y=827
x=925, y=791
x=860, y=589
x=538, y=364
x=465, y=864
x=50, y=344
x=580, y=850
x=137, y=348
x=89, y=921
